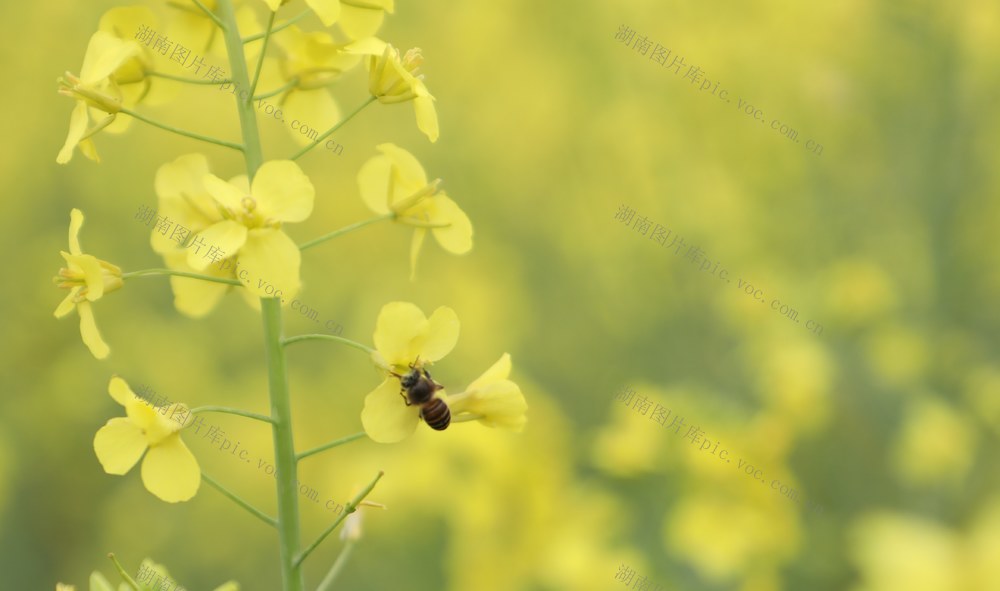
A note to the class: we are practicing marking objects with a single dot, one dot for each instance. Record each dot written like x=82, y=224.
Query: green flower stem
x=189, y=134
x=370, y=100
x=263, y=51
x=241, y=78
x=210, y=14
x=352, y=506
x=274, y=353
x=338, y=566
x=149, y=272
x=186, y=80
x=345, y=230
x=291, y=83
x=128, y=579
x=327, y=337
x=284, y=446
x=330, y=445
x=280, y=27
x=233, y=411
x=236, y=499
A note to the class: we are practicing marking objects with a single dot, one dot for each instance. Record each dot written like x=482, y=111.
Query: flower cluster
x=231, y=232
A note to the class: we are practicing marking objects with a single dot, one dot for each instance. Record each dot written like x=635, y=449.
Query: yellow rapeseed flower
x=310, y=63
x=184, y=200
x=404, y=338
x=169, y=469
x=394, y=182
x=88, y=279
x=395, y=79
x=98, y=96
x=267, y=260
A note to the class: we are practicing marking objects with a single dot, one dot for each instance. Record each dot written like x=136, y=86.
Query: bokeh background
x=888, y=420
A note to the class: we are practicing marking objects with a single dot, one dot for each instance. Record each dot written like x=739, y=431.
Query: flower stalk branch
x=152, y=272
x=233, y=411
x=236, y=499
x=345, y=230
x=338, y=565
x=330, y=131
x=327, y=337
x=352, y=506
x=190, y=134
x=330, y=445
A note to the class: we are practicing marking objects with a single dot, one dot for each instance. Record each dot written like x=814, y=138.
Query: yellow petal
x=419, y=234
x=184, y=200
x=271, y=262
x=105, y=53
x=92, y=274
x=327, y=10
x=457, y=237
x=358, y=22
x=67, y=304
x=227, y=194
x=78, y=121
x=398, y=326
x=409, y=174
x=228, y=236
x=501, y=404
x=309, y=114
x=119, y=445
x=119, y=389
x=170, y=471
x=283, y=192
x=386, y=417
x=124, y=21
x=88, y=149
x=99, y=583
x=88, y=330
x=440, y=336
x=374, y=183
x=194, y=297
x=498, y=371
x=427, y=120
x=155, y=421
x=182, y=180
x=75, y=223
x=367, y=46
x=273, y=4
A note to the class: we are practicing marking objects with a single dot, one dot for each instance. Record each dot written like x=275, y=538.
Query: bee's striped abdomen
x=437, y=415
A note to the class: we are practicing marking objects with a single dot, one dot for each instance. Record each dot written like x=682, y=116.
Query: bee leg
x=405, y=399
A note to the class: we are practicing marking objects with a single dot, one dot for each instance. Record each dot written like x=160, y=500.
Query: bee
x=418, y=388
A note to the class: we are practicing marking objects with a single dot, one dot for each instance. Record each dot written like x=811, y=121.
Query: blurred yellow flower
x=396, y=183
x=404, y=338
x=312, y=61
x=88, y=279
x=935, y=444
x=98, y=97
x=169, y=470
x=723, y=537
x=251, y=226
x=493, y=398
x=357, y=18
x=901, y=552
x=132, y=76
x=394, y=79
